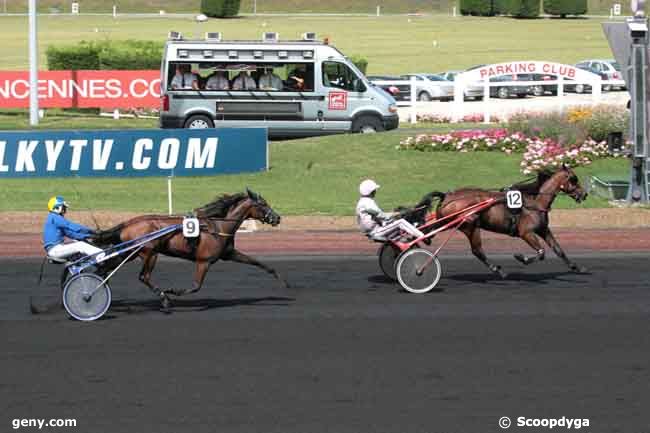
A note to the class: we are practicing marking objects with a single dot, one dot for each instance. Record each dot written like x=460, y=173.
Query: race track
x=340, y=351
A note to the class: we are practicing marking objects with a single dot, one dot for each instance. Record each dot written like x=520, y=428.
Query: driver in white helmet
x=57, y=228
x=375, y=223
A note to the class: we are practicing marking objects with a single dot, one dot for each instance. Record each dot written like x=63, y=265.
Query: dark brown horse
x=219, y=221
x=530, y=224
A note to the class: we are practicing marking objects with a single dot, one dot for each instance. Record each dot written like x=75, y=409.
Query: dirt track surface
x=351, y=242
x=340, y=351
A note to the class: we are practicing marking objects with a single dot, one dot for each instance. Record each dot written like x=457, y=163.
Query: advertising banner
x=83, y=89
x=123, y=153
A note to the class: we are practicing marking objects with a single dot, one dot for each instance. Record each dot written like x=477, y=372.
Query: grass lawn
x=309, y=176
x=392, y=44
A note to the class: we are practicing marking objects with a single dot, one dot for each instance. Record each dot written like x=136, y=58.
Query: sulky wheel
x=418, y=270
x=86, y=297
x=388, y=254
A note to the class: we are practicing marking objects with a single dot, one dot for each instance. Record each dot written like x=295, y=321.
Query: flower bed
x=538, y=154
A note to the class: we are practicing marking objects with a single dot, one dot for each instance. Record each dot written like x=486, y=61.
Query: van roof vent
x=271, y=37
x=175, y=36
x=309, y=36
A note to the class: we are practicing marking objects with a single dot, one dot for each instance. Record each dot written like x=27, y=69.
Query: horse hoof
x=521, y=258
x=502, y=274
x=578, y=269
x=165, y=304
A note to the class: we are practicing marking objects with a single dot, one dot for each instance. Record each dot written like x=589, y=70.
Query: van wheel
x=367, y=125
x=198, y=121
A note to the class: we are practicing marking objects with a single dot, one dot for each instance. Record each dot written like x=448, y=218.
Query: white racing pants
x=382, y=233
x=63, y=251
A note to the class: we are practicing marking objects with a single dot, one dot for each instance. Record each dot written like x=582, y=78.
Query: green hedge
x=220, y=8
x=476, y=7
x=565, y=7
x=360, y=62
x=524, y=8
x=112, y=55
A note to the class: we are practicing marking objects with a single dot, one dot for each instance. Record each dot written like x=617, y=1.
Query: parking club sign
x=338, y=101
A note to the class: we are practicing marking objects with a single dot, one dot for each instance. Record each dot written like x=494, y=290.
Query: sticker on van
x=338, y=101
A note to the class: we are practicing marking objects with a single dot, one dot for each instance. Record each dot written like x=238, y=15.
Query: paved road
x=341, y=351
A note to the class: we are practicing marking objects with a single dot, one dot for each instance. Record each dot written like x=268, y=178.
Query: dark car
x=507, y=90
x=542, y=89
x=399, y=91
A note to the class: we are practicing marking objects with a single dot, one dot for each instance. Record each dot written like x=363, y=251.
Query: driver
x=373, y=222
x=57, y=228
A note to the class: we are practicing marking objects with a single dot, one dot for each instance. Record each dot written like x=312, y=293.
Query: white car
x=473, y=91
x=431, y=87
x=608, y=67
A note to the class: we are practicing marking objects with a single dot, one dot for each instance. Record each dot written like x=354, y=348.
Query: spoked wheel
x=388, y=254
x=418, y=270
x=86, y=297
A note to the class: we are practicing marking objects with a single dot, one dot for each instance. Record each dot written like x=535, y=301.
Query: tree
x=565, y=7
x=220, y=8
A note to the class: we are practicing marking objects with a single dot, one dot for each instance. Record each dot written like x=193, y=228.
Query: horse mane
x=218, y=208
x=533, y=187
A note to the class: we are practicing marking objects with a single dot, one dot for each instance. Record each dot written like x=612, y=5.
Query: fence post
x=459, y=97
x=560, y=91
x=596, y=90
x=114, y=11
x=378, y=10
x=486, y=100
x=414, y=100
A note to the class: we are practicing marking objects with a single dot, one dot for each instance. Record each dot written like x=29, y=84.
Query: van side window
x=340, y=76
x=300, y=77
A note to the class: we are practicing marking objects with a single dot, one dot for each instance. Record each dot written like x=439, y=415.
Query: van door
x=345, y=92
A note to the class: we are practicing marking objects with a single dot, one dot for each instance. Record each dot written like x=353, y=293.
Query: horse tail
x=110, y=236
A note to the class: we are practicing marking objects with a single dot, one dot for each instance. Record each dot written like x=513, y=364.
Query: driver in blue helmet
x=57, y=228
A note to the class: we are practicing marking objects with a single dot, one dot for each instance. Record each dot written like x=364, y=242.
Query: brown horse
x=219, y=221
x=530, y=224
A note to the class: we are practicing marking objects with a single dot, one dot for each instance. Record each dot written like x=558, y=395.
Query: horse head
x=260, y=209
x=566, y=180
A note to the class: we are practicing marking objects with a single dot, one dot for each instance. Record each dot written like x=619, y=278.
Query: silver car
x=431, y=87
x=473, y=91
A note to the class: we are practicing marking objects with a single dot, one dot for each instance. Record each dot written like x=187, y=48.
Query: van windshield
x=233, y=76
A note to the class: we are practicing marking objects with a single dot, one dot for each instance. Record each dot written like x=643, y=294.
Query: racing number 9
x=514, y=199
x=191, y=227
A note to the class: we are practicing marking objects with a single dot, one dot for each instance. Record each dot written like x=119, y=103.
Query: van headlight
x=392, y=108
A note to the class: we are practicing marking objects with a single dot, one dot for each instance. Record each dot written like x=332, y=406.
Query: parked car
x=583, y=87
x=473, y=91
x=507, y=90
x=397, y=87
x=541, y=89
x=432, y=86
x=610, y=68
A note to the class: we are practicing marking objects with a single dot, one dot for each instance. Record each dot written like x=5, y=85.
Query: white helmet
x=367, y=187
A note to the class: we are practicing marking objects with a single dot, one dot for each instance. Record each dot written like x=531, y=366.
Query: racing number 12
x=514, y=199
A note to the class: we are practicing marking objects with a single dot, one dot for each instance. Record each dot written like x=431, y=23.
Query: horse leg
x=531, y=239
x=239, y=257
x=553, y=243
x=149, y=259
x=473, y=234
x=200, y=271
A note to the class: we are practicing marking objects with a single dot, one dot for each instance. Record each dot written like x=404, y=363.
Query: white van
x=294, y=88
